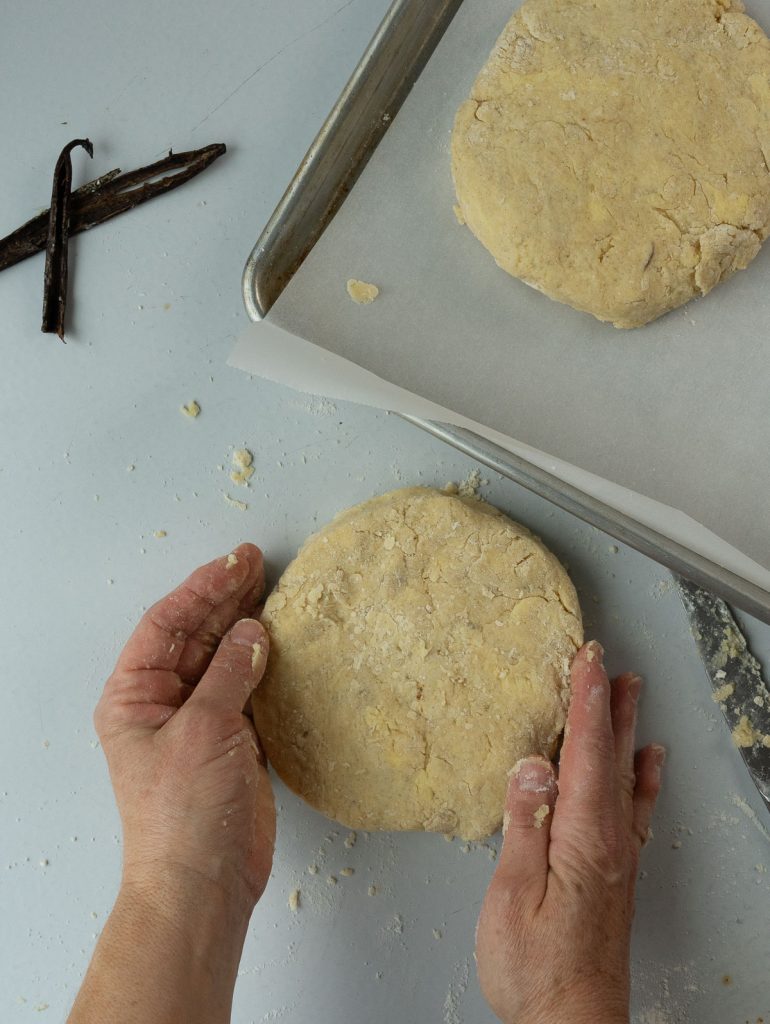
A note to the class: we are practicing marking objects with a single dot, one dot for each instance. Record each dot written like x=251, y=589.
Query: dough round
x=420, y=645
x=615, y=154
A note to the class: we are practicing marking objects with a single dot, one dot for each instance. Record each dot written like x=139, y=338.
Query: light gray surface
x=671, y=410
x=73, y=420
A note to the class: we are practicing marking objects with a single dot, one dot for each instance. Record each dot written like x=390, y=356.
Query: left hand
x=189, y=777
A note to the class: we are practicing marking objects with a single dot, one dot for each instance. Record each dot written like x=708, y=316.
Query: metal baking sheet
x=672, y=411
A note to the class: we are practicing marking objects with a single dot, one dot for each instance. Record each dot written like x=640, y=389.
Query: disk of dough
x=614, y=154
x=420, y=644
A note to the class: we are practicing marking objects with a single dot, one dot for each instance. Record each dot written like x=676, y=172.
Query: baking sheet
x=268, y=351
x=675, y=411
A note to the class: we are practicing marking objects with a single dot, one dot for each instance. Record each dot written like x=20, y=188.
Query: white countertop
x=95, y=457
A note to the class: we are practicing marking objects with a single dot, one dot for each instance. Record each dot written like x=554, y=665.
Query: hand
x=189, y=777
x=554, y=932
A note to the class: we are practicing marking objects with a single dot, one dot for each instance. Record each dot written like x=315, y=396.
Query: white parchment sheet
x=669, y=422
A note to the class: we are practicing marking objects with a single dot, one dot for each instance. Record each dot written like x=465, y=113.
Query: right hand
x=553, y=940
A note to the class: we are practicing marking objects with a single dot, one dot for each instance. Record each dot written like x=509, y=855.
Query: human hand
x=553, y=937
x=189, y=777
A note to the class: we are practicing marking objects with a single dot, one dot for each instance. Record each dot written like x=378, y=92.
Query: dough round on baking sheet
x=614, y=154
x=420, y=644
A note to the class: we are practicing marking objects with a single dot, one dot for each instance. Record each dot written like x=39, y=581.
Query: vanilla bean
x=106, y=197
x=31, y=237
x=56, y=262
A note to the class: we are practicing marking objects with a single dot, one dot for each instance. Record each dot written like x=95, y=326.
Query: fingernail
x=595, y=652
x=659, y=754
x=247, y=632
x=534, y=775
x=634, y=687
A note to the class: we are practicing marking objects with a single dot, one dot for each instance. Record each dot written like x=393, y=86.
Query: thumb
x=235, y=669
x=523, y=862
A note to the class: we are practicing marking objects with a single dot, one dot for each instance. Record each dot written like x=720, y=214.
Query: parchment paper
x=676, y=411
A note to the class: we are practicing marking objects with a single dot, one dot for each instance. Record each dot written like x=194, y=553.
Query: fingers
x=145, y=699
x=160, y=638
x=199, y=648
x=587, y=762
x=523, y=863
x=235, y=669
x=648, y=766
x=623, y=707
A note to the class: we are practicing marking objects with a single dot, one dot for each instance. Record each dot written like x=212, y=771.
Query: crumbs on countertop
x=467, y=488
x=192, y=409
x=362, y=293
x=240, y=505
x=243, y=468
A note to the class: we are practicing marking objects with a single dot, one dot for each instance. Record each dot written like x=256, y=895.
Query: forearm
x=166, y=955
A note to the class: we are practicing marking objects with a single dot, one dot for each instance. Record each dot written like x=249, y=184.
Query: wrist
x=169, y=952
x=185, y=912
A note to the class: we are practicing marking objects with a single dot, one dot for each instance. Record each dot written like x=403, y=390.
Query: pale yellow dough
x=420, y=645
x=614, y=154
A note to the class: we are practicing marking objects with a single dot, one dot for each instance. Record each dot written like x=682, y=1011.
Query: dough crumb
x=331, y=880
x=347, y=872
x=372, y=890
x=361, y=292
x=312, y=869
x=242, y=476
x=744, y=734
x=350, y=840
x=244, y=469
x=257, y=656
x=294, y=900
x=192, y=409
x=541, y=814
x=723, y=693
x=231, y=561
x=677, y=844
x=241, y=505
x=160, y=534
x=242, y=458
x=469, y=487
x=436, y=933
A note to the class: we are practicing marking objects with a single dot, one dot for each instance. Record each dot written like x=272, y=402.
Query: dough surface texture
x=420, y=644
x=614, y=154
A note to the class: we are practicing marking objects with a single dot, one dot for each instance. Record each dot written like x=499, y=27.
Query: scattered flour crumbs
x=667, y=992
x=458, y=984
x=317, y=406
x=469, y=487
